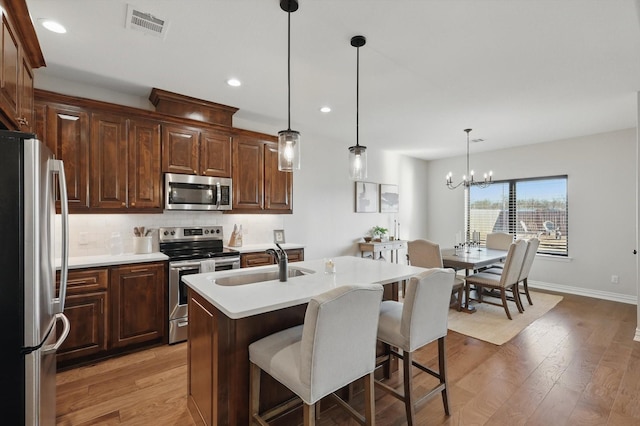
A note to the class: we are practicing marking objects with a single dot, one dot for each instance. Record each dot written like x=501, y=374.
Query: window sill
x=553, y=258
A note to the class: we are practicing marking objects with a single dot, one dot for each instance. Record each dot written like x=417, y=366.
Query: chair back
x=339, y=337
x=499, y=240
x=530, y=255
x=426, y=307
x=425, y=254
x=513, y=263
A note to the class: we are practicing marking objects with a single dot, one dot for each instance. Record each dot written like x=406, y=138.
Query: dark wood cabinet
x=188, y=150
x=108, y=160
x=67, y=135
x=138, y=308
x=19, y=54
x=180, y=147
x=278, y=186
x=86, y=307
x=145, y=177
x=260, y=258
x=215, y=154
x=113, y=310
x=258, y=185
x=111, y=159
x=248, y=174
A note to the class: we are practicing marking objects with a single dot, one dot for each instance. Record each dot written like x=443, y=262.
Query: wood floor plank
x=578, y=364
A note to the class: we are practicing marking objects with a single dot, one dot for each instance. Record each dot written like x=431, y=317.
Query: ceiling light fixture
x=325, y=109
x=467, y=180
x=288, y=140
x=53, y=26
x=234, y=82
x=357, y=153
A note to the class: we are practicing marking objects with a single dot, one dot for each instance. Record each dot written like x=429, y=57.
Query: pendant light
x=288, y=140
x=358, y=153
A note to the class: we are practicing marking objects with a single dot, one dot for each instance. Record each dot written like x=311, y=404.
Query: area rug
x=490, y=323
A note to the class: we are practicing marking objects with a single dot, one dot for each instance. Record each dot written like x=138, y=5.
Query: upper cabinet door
x=10, y=69
x=248, y=174
x=145, y=178
x=67, y=135
x=180, y=149
x=215, y=154
x=26, y=117
x=278, y=186
x=108, y=161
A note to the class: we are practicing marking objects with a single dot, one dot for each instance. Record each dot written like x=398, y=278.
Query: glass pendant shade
x=358, y=162
x=288, y=150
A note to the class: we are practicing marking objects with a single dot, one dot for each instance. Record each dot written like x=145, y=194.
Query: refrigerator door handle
x=65, y=332
x=57, y=167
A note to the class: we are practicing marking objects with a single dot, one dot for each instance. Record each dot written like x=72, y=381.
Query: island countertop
x=245, y=300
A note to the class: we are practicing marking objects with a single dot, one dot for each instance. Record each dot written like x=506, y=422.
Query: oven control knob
x=206, y=231
x=173, y=232
x=166, y=232
x=217, y=231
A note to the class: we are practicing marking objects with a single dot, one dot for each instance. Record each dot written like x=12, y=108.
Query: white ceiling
x=516, y=71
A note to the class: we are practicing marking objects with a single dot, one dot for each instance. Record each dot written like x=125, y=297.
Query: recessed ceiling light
x=53, y=26
x=234, y=82
x=325, y=109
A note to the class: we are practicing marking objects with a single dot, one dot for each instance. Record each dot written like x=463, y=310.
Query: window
x=525, y=208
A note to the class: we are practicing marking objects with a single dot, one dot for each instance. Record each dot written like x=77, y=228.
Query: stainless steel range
x=187, y=249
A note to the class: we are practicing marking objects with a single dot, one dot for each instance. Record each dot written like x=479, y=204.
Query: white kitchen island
x=225, y=320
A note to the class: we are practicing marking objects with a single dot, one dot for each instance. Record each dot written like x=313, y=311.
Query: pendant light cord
x=357, y=96
x=289, y=69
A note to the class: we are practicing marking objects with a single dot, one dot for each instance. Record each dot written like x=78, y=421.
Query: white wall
x=601, y=173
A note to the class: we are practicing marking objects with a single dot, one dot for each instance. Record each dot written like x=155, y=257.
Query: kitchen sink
x=256, y=277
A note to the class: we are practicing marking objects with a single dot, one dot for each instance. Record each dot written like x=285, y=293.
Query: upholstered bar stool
x=334, y=347
x=408, y=326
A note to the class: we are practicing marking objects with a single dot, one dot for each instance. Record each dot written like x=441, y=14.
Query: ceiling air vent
x=146, y=22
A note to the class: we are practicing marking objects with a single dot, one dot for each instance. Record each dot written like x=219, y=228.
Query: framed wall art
x=366, y=197
x=388, y=198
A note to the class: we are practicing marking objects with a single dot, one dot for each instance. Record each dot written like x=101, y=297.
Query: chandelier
x=468, y=179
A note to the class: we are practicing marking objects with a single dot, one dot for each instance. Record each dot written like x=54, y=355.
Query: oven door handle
x=185, y=266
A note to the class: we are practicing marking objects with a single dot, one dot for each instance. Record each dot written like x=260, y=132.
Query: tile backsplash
x=90, y=234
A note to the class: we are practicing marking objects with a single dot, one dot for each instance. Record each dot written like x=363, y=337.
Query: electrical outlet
x=614, y=279
x=83, y=239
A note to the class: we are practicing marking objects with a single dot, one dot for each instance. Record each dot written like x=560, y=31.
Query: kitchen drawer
x=248, y=260
x=85, y=280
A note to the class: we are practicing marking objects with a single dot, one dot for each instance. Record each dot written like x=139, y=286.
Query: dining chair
x=410, y=325
x=529, y=257
x=498, y=241
x=507, y=280
x=427, y=254
x=335, y=346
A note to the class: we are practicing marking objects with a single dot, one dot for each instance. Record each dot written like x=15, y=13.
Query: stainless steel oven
x=187, y=248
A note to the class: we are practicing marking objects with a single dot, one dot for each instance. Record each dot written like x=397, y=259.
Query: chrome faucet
x=281, y=257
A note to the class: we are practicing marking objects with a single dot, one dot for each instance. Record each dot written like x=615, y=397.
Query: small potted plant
x=378, y=233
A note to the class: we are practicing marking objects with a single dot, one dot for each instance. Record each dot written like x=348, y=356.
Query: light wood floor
x=577, y=365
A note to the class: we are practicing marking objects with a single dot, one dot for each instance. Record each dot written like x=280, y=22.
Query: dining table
x=471, y=259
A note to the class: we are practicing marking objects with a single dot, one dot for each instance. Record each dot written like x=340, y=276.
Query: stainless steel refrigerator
x=30, y=305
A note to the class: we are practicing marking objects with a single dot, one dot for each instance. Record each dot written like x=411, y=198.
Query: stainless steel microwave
x=189, y=192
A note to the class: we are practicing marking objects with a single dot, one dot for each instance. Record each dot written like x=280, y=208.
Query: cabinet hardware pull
x=133, y=204
x=124, y=204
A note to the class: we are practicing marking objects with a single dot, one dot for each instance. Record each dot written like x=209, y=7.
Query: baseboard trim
x=598, y=294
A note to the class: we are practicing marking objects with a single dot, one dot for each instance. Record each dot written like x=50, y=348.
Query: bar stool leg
x=408, y=385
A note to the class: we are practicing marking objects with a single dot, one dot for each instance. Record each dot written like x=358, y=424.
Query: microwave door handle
x=57, y=167
x=219, y=195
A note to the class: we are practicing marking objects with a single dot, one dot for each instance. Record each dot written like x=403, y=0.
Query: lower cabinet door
x=138, y=313
x=87, y=314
